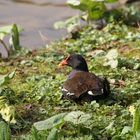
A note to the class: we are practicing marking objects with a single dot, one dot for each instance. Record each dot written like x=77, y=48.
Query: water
x=37, y=18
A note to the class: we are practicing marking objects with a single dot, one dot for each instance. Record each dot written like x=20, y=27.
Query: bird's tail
x=106, y=88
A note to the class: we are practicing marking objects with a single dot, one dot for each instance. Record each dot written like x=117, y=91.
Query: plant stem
x=5, y=46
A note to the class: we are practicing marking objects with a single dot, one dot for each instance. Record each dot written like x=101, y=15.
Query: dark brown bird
x=82, y=85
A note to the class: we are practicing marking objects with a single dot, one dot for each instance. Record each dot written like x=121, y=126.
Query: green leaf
x=77, y=117
x=8, y=113
x=2, y=102
x=2, y=35
x=11, y=75
x=50, y=123
x=59, y=25
x=52, y=134
x=126, y=129
x=34, y=134
x=85, y=5
x=110, y=126
x=112, y=54
x=110, y=1
x=5, y=132
x=15, y=38
x=79, y=4
x=136, y=136
x=73, y=2
x=136, y=121
x=94, y=104
x=70, y=24
x=111, y=58
x=6, y=30
x=96, y=10
x=113, y=63
x=6, y=78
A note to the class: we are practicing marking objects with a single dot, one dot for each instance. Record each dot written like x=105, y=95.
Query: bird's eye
x=70, y=58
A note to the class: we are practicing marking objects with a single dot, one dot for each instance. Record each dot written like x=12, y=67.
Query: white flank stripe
x=102, y=90
x=90, y=93
x=63, y=89
x=70, y=93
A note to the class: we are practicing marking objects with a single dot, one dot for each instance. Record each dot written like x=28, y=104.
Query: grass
x=34, y=91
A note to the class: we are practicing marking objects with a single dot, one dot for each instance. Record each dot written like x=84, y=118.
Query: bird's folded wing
x=84, y=82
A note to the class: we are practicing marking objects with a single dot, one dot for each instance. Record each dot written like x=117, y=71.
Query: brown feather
x=83, y=82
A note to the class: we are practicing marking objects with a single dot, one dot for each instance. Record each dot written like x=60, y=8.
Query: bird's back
x=85, y=83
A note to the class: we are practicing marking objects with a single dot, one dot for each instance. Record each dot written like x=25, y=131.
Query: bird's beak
x=62, y=63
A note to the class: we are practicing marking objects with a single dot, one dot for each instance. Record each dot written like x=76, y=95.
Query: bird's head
x=76, y=61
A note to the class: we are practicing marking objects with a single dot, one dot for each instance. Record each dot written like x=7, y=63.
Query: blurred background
x=37, y=18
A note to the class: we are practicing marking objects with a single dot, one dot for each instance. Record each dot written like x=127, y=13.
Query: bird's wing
x=83, y=82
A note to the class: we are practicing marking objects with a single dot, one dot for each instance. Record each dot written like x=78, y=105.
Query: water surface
x=37, y=18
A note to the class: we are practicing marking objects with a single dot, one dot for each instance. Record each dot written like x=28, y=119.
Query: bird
x=82, y=85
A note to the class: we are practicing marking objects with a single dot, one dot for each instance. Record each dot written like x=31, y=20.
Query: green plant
x=91, y=10
x=136, y=122
x=70, y=24
x=7, y=111
x=94, y=9
x=111, y=58
x=57, y=122
x=5, y=132
x=34, y=91
x=4, y=79
x=14, y=43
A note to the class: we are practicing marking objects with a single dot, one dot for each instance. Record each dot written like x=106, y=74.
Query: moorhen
x=82, y=85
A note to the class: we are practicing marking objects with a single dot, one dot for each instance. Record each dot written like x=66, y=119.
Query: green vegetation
x=93, y=9
x=14, y=47
x=30, y=98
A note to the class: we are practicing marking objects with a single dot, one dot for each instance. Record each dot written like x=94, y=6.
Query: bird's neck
x=82, y=67
x=74, y=72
